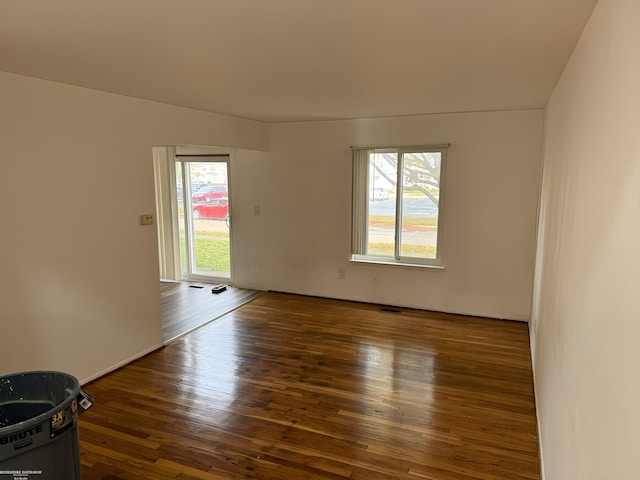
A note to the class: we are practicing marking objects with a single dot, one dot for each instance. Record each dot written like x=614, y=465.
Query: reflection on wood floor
x=189, y=305
x=292, y=387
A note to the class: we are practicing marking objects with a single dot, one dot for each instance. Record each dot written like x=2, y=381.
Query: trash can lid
x=31, y=397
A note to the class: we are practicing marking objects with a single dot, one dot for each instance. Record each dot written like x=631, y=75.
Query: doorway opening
x=193, y=202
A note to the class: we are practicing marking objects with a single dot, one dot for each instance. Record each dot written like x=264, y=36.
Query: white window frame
x=360, y=205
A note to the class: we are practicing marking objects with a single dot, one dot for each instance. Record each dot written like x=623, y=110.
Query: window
x=205, y=234
x=397, y=194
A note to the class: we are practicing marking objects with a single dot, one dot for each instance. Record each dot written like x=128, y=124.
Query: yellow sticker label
x=57, y=419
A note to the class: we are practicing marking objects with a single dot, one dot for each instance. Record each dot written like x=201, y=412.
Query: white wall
x=586, y=315
x=79, y=276
x=302, y=237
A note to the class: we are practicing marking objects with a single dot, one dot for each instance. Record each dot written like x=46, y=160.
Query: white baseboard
x=532, y=348
x=121, y=364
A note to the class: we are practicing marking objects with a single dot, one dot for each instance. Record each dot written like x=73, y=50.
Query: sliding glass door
x=202, y=192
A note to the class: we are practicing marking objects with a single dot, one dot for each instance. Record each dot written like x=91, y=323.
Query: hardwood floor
x=291, y=387
x=189, y=305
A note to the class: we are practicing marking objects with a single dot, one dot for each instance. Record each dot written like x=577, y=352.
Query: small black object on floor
x=218, y=288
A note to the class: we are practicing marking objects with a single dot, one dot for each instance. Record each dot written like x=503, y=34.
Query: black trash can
x=39, y=426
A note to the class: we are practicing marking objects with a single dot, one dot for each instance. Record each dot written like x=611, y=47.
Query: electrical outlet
x=342, y=274
x=146, y=219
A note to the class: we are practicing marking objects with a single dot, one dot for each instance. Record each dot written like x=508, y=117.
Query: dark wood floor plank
x=293, y=387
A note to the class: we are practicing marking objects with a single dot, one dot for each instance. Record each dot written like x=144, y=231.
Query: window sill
x=392, y=263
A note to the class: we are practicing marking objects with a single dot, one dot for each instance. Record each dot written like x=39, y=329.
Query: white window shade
x=359, y=230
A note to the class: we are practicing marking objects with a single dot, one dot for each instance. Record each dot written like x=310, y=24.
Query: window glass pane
x=209, y=206
x=383, y=168
x=204, y=219
x=421, y=193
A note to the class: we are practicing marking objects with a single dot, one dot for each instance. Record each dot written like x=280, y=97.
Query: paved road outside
x=419, y=206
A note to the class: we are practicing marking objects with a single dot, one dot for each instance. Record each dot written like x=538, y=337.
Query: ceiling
x=295, y=60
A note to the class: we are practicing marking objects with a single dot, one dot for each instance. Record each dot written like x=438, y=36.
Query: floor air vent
x=390, y=310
